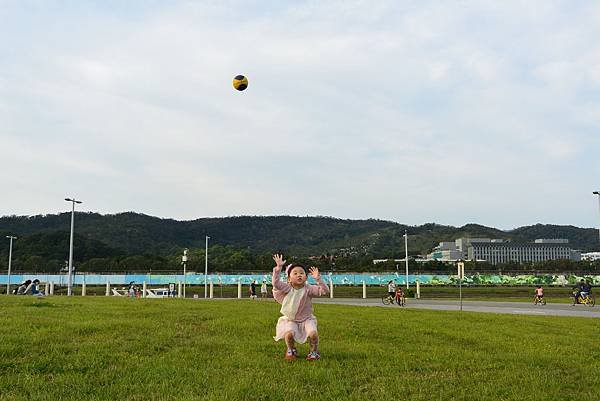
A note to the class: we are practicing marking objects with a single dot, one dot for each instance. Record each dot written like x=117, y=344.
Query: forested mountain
x=136, y=241
x=136, y=233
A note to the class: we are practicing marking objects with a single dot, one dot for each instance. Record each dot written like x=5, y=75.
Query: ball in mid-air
x=240, y=82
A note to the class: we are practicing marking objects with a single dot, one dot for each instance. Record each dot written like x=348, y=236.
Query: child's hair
x=289, y=268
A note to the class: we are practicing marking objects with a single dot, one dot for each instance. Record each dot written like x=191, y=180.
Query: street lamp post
x=461, y=275
x=598, y=193
x=406, y=254
x=11, y=238
x=184, y=259
x=206, y=267
x=70, y=282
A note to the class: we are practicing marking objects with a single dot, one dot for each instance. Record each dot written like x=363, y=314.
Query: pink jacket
x=305, y=310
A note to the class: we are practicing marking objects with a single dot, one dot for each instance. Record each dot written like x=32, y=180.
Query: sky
x=421, y=111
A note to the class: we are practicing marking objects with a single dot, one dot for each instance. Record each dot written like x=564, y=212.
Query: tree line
x=139, y=243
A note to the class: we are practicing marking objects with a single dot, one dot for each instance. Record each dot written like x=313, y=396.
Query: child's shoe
x=291, y=354
x=313, y=356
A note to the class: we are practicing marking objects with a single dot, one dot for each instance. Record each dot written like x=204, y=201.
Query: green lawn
x=98, y=348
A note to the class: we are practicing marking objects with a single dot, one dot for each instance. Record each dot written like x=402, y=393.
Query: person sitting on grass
x=399, y=295
x=298, y=322
x=33, y=289
x=22, y=288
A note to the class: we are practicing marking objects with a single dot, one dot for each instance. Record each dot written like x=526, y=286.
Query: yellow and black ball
x=240, y=82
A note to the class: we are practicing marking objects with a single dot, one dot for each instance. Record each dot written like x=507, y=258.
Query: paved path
x=518, y=308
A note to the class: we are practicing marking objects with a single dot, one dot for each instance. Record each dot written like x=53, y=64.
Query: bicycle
x=391, y=299
x=586, y=299
x=387, y=299
x=539, y=300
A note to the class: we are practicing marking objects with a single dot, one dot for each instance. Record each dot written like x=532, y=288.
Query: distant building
x=497, y=251
x=590, y=256
x=376, y=261
x=551, y=241
x=452, y=251
x=446, y=251
x=410, y=258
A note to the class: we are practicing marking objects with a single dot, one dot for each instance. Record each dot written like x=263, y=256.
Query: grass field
x=98, y=348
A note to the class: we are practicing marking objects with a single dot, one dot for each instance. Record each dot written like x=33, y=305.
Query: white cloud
x=416, y=112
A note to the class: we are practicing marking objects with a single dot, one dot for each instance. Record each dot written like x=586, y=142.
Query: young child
x=35, y=288
x=298, y=322
x=399, y=296
x=263, y=289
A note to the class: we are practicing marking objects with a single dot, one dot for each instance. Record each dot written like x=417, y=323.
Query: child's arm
x=321, y=288
x=277, y=283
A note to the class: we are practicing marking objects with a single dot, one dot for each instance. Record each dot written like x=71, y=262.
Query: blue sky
x=419, y=111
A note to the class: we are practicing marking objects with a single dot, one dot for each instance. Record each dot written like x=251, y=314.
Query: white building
x=497, y=251
x=447, y=251
x=590, y=256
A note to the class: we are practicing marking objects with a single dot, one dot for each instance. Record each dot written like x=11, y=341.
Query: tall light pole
x=461, y=275
x=206, y=268
x=406, y=254
x=70, y=285
x=598, y=193
x=9, y=263
x=184, y=261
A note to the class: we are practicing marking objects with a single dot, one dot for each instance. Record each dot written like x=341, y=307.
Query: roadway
x=514, y=308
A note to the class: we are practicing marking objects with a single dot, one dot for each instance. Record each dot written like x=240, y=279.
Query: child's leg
x=289, y=340
x=313, y=339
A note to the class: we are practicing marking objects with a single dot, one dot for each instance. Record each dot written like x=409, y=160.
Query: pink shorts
x=301, y=330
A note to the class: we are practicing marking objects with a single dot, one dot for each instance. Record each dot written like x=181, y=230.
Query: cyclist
x=391, y=289
x=539, y=293
x=586, y=288
x=577, y=290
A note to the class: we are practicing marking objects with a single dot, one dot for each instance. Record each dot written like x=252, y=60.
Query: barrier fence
x=335, y=279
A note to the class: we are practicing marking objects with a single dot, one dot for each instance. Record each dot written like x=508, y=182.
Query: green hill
x=130, y=239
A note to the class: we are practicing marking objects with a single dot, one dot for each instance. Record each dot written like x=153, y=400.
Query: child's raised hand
x=314, y=272
x=279, y=262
